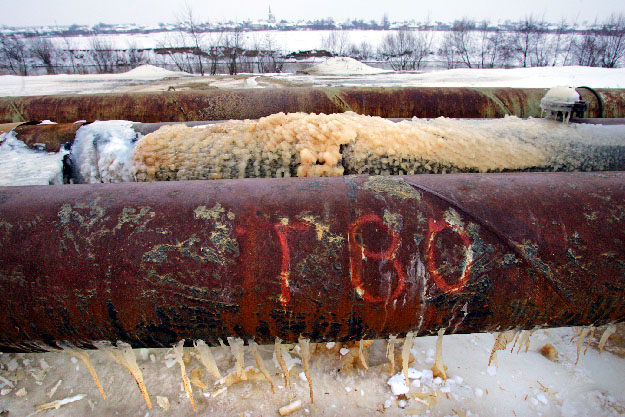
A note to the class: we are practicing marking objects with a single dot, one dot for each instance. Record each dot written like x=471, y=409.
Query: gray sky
x=65, y=12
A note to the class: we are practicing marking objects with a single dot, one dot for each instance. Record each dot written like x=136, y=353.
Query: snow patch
x=342, y=66
x=21, y=165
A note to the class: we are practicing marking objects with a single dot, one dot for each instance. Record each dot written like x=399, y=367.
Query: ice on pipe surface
x=102, y=152
x=21, y=165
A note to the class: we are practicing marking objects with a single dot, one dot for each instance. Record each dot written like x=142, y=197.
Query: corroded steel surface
x=53, y=136
x=254, y=103
x=328, y=258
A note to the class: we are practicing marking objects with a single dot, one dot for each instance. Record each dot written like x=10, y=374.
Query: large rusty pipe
x=459, y=102
x=329, y=258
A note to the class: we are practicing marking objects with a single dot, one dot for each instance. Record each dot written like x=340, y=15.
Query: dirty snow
x=538, y=77
x=150, y=78
x=21, y=165
x=524, y=383
x=342, y=66
x=34, y=85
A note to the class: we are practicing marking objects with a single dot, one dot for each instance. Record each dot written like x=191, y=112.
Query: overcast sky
x=65, y=12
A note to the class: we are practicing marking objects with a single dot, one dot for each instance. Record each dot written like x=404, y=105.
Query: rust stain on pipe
x=53, y=136
x=328, y=258
x=252, y=104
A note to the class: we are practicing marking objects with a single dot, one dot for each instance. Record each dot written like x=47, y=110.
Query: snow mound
x=152, y=71
x=342, y=66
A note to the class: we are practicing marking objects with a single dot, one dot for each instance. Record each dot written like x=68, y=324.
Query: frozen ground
x=14, y=85
x=150, y=78
x=543, y=77
x=522, y=384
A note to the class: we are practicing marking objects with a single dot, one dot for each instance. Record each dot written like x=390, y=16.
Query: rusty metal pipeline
x=406, y=102
x=330, y=258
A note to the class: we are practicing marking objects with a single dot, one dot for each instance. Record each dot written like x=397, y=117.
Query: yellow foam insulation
x=310, y=145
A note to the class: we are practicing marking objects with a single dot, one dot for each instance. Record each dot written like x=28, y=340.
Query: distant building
x=271, y=18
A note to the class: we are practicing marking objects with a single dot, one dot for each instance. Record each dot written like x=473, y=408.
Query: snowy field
x=151, y=78
x=520, y=384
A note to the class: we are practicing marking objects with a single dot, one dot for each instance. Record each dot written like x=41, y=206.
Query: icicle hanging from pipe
x=123, y=355
x=260, y=364
x=179, y=351
x=206, y=358
x=439, y=369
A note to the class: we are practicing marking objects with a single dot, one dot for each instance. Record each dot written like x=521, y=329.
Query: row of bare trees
x=21, y=55
x=194, y=51
x=529, y=43
x=532, y=44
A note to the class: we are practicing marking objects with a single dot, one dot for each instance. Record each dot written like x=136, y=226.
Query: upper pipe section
x=406, y=102
x=327, y=258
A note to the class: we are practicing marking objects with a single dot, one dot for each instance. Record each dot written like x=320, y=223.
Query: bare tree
x=463, y=41
x=365, y=50
x=612, y=39
x=189, y=25
x=532, y=42
x=588, y=50
x=337, y=43
x=13, y=54
x=405, y=49
x=103, y=56
x=69, y=50
x=234, y=47
x=45, y=52
x=563, y=44
x=268, y=56
x=448, y=51
x=174, y=46
x=134, y=56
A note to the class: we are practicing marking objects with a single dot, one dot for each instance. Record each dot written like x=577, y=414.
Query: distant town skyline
x=152, y=12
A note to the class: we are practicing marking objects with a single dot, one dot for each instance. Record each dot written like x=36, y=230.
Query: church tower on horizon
x=271, y=18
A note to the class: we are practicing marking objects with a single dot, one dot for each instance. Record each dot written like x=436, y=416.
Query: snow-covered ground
x=15, y=85
x=538, y=77
x=151, y=78
x=342, y=66
x=522, y=384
